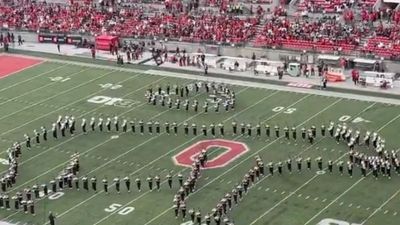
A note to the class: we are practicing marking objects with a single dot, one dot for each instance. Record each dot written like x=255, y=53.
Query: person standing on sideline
x=58, y=46
x=324, y=81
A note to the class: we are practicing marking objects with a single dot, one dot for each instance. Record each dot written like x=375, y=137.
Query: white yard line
x=32, y=78
x=137, y=198
x=178, y=147
x=58, y=94
x=94, y=109
x=352, y=186
x=72, y=138
x=250, y=156
x=63, y=107
x=360, y=97
x=381, y=206
x=41, y=87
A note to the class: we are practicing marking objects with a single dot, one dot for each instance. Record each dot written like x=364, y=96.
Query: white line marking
x=381, y=206
x=41, y=87
x=23, y=81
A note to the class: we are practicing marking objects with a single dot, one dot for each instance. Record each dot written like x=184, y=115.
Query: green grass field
x=35, y=97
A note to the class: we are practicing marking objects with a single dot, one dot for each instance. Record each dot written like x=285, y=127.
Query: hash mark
x=367, y=209
x=386, y=211
x=229, y=182
x=259, y=188
x=299, y=195
x=359, y=206
x=316, y=198
x=206, y=178
x=341, y=203
x=283, y=192
x=350, y=205
x=222, y=180
x=395, y=213
x=307, y=197
x=267, y=189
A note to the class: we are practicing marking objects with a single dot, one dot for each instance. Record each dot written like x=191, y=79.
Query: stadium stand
x=358, y=27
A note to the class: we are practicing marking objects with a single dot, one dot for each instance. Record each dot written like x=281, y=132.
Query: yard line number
x=358, y=119
x=110, y=86
x=59, y=79
x=329, y=221
x=284, y=109
x=112, y=101
x=117, y=207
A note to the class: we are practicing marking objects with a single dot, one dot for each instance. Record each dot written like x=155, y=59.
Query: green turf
x=290, y=199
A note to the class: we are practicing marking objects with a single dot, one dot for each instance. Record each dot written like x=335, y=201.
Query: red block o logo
x=234, y=150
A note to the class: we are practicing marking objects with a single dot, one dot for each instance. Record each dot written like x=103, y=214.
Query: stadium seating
x=262, y=29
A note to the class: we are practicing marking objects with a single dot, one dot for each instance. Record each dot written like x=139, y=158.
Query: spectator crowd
x=355, y=26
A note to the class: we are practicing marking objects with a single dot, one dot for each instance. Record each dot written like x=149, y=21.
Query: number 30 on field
x=117, y=207
x=284, y=109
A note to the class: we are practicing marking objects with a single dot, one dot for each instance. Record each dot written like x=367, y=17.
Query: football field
x=36, y=96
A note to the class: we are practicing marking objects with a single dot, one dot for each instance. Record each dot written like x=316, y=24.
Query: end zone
x=15, y=64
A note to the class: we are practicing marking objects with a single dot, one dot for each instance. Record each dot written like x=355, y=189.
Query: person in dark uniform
x=276, y=131
x=286, y=131
x=319, y=163
x=158, y=182
x=280, y=166
x=150, y=183
x=117, y=183
x=52, y=218
x=44, y=133
x=303, y=133
x=175, y=127
x=105, y=185
x=221, y=129
x=249, y=128
x=124, y=126
x=45, y=189
x=299, y=164
x=167, y=128
x=138, y=184
x=340, y=166
x=169, y=179
x=258, y=130
x=54, y=130
x=141, y=127
x=194, y=129
x=242, y=129
x=186, y=128
x=27, y=141
x=31, y=207
x=85, y=182
x=308, y=161
x=271, y=168
x=93, y=180
x=100, y=124
x=294, y=133
x=350, y=169
x=323, y=130
x=330, y=166
x=212, y=128
x=289, y=165
x=234, y=128
x=92, y=123
x=204, y=129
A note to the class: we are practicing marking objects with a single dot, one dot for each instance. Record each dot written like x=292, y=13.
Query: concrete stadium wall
x=247, y=52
